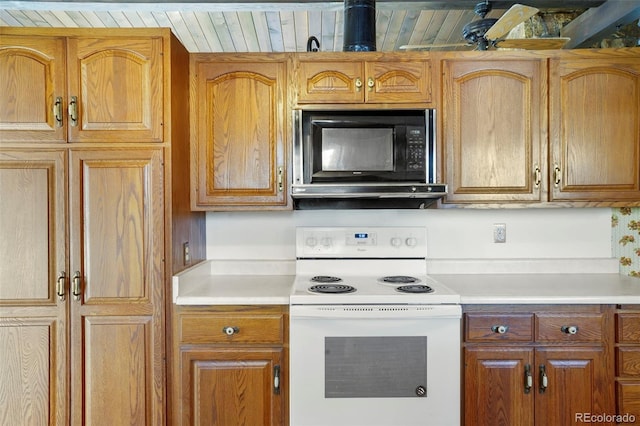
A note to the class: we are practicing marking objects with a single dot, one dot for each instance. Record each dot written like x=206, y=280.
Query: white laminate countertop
x=542, y=288
x=269, y=283
x=234, y=283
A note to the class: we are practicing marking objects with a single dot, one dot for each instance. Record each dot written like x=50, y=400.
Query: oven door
x=375, y=365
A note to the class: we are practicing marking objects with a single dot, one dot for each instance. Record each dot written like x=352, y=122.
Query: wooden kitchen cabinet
x=494, y=124
x=357, y=78
x=81, y=88
x=525, y=365
x=240, y=141
x=231, y=366
x=88, y=243
x=628, y=360
x=594, y=105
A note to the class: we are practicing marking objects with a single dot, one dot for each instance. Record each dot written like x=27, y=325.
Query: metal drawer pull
x=73, y=111
x=537, y=176
x=569, y=329
x=358, y=84
x=57, y=111
x=556, y=175
x=60, y=285
x=77, y=292
x=528, y=379
x=230, y=331
x=370, y=84
x=543, y=379
x=500, y=329
x=276, y=380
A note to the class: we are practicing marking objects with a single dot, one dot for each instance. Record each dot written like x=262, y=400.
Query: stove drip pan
x=419, y=288
x=399, y=279
x=326, y=279
x=332, y=288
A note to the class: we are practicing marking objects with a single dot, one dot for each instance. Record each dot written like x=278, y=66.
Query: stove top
x=365, y=265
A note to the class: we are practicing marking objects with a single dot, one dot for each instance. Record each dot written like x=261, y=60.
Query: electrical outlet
x=186, y=256
x=499, y=232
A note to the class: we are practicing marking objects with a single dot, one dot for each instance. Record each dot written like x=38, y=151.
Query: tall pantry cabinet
x=93, y=221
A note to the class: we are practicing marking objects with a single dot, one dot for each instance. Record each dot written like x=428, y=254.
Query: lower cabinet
x=628, y=361
x=537, y=364
x=230, y=365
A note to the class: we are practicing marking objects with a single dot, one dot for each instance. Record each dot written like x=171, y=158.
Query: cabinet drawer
x=628, y=361
x=570, y=327
x=628, y=328
x=268, y=328
x=629, y=398
x=497, y=327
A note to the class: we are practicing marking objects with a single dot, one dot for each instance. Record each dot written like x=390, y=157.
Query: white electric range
x=374, y=340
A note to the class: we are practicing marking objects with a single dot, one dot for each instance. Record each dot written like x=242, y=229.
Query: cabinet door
x=494, y=121
x=496, y=391
x=330, y=81
x=32, y=83
x=579, y=380
x=232, y=387
x=115, y=89
x=117, y=244
x=241, y=159
x=595, y=129
x=33, y=323
x=398, y=82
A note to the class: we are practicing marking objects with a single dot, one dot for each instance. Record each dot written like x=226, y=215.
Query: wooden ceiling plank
x=275, y=31
x=597, y=23
x=328, y=29
x=288, y=31
x=262, y=31
x=301, y=25
x=204, y=20
x=192, y=25
x=222, y=31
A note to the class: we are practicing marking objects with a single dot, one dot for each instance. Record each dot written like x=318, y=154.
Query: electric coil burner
x=326, y=279
x=419, y=288
x=331, y=288
x=399, y=279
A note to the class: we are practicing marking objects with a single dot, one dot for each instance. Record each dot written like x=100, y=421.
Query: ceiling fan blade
x=542, y=43
x=515, y=15
x=430, y=46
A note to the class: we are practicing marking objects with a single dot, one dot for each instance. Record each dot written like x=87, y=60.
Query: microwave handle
x=298, y=169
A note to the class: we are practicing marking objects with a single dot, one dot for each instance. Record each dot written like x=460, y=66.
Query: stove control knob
x=326, y=242
x=396, y=242
x=411, y=242
x=421, y=391
x=311, y=241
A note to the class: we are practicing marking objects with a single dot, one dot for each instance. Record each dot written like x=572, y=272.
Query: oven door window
x=375, y=367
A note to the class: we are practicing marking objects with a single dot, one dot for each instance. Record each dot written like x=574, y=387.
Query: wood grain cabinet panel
x=494, y=130
x=542, y=378
x=232, y=378
x=239, y=141
x=363, y=78
x=595, y=149
x=81, y=89
x=495, y=327
x=628, y=360
x=32, y=83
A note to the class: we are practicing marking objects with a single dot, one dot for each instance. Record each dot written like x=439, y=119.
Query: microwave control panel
x=416, y=147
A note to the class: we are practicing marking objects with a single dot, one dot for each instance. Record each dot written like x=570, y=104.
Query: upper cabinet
x=81, y=89
x=594, y=106
x=363, y=78
x=494, y=129
x=239, y=139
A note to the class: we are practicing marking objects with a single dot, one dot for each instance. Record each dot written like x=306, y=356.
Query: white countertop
x=543, y=288
x=269, y=282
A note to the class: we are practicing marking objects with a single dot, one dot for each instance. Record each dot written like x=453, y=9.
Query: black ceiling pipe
x=359, y=26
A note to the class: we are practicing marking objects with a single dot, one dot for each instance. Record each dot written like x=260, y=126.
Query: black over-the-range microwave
x=349, y=158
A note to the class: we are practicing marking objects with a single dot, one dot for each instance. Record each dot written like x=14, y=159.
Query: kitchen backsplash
x=625, y=239
x=580, y=233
